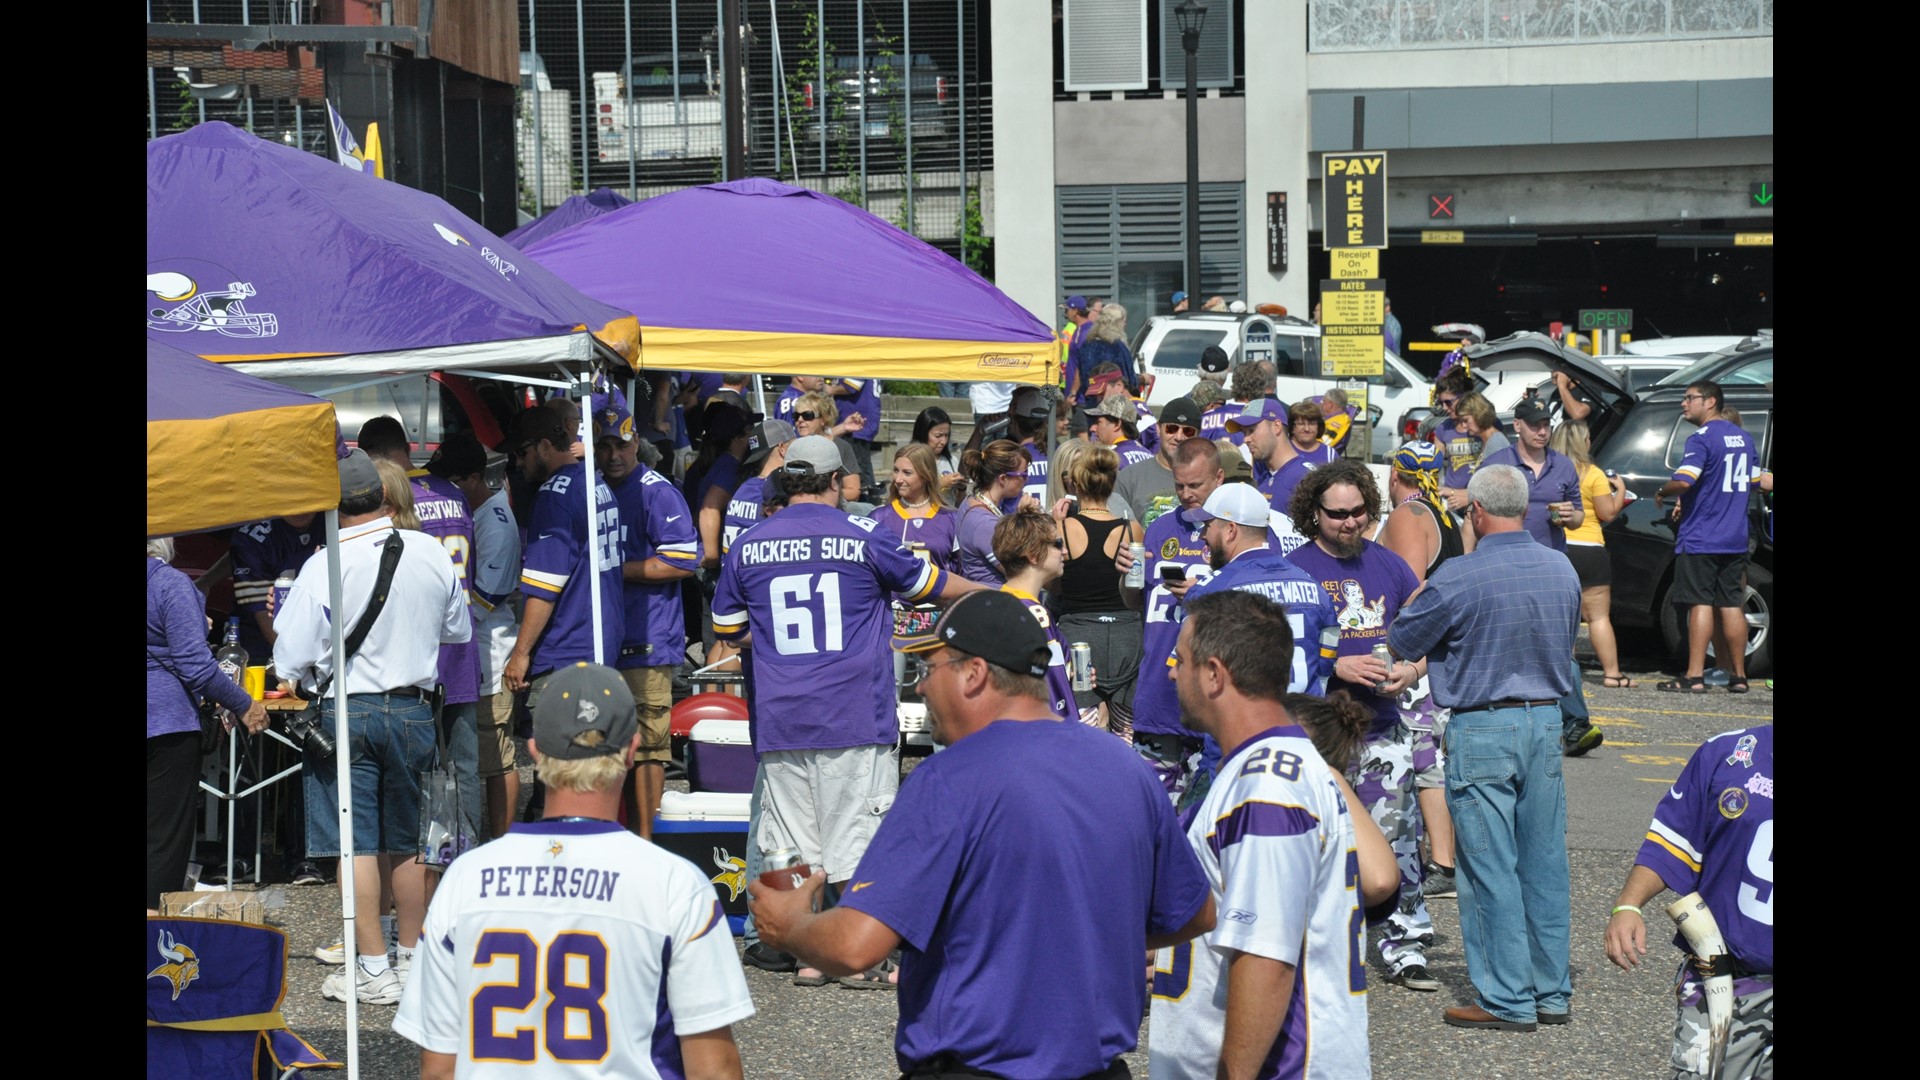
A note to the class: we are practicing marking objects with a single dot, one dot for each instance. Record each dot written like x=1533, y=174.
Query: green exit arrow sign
x=1761, y=193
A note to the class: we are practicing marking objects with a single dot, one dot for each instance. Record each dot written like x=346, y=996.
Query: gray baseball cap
x=358, y=477
x=813, y=454
x=585, y=711
x=764, y=437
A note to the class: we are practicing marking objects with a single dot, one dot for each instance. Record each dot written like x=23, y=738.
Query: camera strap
x=382, y=582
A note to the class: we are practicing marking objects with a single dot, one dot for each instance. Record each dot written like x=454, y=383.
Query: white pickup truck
x=638, y=116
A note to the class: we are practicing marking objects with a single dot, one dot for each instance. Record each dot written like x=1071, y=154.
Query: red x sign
x=1439, y=207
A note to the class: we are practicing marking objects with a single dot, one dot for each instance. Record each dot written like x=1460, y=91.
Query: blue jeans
x=1509, y=806
x=1575, y=719
x=390, y=743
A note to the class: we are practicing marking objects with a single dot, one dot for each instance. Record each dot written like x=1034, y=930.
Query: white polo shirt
x=425, y=608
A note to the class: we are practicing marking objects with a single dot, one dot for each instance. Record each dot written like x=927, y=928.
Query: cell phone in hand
x=1172, y=572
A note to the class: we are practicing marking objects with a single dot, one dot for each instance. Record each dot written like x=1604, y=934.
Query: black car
x=1643, y=447
x=1749, y=363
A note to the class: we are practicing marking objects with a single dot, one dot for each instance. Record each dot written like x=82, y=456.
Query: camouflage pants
x=1173, y=759
x=1749, y=1045
x=1384, y=778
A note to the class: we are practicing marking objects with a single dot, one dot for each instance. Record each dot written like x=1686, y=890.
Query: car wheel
x=1758, y=605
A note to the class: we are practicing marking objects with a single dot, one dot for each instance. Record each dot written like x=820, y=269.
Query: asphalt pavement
x=1621, y=1025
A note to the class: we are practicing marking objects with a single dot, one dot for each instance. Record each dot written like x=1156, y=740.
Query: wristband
x=1618, y=908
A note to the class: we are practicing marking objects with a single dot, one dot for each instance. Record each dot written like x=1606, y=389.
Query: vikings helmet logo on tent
x=183, y=298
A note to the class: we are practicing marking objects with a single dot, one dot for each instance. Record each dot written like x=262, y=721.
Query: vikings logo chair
x=213, y=1002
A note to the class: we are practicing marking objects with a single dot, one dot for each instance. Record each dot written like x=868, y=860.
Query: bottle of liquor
x=232, y=659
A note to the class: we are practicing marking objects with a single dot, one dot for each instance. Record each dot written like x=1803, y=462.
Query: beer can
x=785, y=869
x=1137, y=573
x=1385, y=656
x=278, y=597
x=1082, y=666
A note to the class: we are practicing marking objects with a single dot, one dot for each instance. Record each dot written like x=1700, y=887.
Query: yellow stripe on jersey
x=674, y=553
x=1677, y=853
x=929, y=577
x=1687, y=470
x=529, y=579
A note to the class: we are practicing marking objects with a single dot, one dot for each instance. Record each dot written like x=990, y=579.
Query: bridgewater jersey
x=743, y=510
x=1367, y=592
x=261, y=552
x=930, y=527
x=1130, y=452
x=1277, y=846
x=571, y=949
x=1172, y=540
x=654, y=523
x=1712, y=833
x=562, y=549
x=1718, y=463
x=1309, y=610
x=496, y=577
x=1059, y=682
x=813, y=583
x=443, y=515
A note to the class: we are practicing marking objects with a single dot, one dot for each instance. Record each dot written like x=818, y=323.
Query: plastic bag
x=443, y=828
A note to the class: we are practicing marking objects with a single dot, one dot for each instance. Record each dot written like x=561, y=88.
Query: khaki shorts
x=827, y=803
x=652, y=689
x=494, y=719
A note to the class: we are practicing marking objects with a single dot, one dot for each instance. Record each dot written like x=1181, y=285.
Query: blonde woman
x=1587, y=547
x=915, y=515
x=816, y=414
x=399, y=494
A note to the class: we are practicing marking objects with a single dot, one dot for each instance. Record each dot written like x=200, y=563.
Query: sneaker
x=335, y=954
x=1588, y=740
x=307, y=872
x=1440, y=884
x=403, y=966
x=381, y=989
x=1415, y=977
x=767, y=958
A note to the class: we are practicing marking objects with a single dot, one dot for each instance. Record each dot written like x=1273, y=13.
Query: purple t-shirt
x=812, y=584
x=1149, y=426
x=1712, y=833
x=932, y=528
x=442, y=511
x=1718, y=463
x=973, y=544
x=1288, y=476
x=1130, y=452
x=1170, y=538
x=865, y=401
x=261, y=552
x=654, y=523
x=1558, y=481
x=1462, y=453
x=952, y=868
x=1367, y=592
x=560, y=553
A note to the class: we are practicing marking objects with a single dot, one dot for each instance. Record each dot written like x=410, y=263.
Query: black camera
x=307, y=731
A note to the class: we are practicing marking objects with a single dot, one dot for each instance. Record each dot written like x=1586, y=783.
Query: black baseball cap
x=585, y=711
x=1530, y=410
x=994, y=626
x=1213, y=359
x=1181, y=410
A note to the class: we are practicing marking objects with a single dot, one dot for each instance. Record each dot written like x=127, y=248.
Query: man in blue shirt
x=1496, y=627
x=1019, y=797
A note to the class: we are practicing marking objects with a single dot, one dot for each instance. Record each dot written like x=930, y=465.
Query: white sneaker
x=335, y=954
x=403, y=966
x=381, y=989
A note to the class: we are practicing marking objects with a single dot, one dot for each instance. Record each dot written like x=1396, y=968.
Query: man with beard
x=1334, y=507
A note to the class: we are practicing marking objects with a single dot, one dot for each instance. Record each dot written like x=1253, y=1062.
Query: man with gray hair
x=1496, y=627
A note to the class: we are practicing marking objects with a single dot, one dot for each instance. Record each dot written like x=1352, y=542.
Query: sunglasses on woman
x=806, y=416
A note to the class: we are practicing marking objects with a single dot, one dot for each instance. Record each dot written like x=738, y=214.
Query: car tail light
x=806, y=94
x=1409, y=427
x=940, y=90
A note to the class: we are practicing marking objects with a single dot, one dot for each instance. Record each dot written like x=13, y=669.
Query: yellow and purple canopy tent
x=755, y=276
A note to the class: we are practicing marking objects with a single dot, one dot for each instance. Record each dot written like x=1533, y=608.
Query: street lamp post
x=1192, y=16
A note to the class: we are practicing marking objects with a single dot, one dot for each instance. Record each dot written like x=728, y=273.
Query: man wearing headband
x=949, y=877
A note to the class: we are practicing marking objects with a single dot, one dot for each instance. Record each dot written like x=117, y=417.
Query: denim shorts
x=390, y=743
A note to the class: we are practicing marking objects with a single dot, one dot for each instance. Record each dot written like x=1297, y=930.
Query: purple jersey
x=1059, y=683
x=1213, y=422
x=1149, y=426
x=562, y=549
x=862, y=398
x=1712, y=833
x=1130, y=452
x=783, y=409
x=1557, y=481
x=929, y=530
x=1718, y=463
x=1171, y=540
x=743, y=510
x=1462, y=453
x=260, y=553
x=1367, y=592
x=1288, y=476
x=1266, y=572
x=973, y=544
x=654, y=523
x=1036, y=473
x=442, y=511
x=812, y=583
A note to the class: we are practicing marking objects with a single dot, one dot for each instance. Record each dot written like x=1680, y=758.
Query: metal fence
x=266, y=92
x=879, y=102
x=1378, y=25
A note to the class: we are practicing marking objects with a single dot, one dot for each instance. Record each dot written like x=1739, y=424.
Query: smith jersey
x=1171, y=540
x=562, y=549
x=812, y=583
x=1718, y=462
x=1277, y=845
x=571, y=949
x=1713, y=834
x=743, y=511
x=654, y=523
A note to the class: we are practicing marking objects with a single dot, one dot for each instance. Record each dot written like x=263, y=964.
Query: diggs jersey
x=1309, y=610
x=261, y=552
x=1059, y=682
x=1368, y=591
x=571, y=949
x=1170, y=539
x=1277, y=845
x=1718, y=463
x=1712, y=833
x=743, y=510
x=813, y=583
x=496, y=578
x=1130, y=452
x=1036, y=473
x=654, y=522
x=562, y=549
x=443, y=516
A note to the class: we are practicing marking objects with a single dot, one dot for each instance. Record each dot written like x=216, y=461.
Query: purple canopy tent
x=579, y=208
x=756, y=276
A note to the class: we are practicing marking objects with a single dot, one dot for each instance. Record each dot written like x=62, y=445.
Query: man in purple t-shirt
x=1553, y=483
x=1017, y=797
x=1710, y=561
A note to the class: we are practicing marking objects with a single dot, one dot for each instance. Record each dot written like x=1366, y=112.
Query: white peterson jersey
x=1277, y=844
x=571, y=949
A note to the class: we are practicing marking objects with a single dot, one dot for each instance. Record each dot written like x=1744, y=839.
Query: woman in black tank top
x=1420, y=528
x=1091, y=609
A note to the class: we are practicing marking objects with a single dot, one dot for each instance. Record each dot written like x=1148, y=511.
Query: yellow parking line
x=1616, y=721
x=1685, y=712
x=1623, y=742
x=1656, y=780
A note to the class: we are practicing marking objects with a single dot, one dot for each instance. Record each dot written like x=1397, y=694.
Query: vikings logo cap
x=585, y=711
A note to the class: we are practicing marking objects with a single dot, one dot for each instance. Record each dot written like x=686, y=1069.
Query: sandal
x=818, y=978
x=1618, y=682
x=883, y=976
x=1737, y=686
x=1689, y=684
